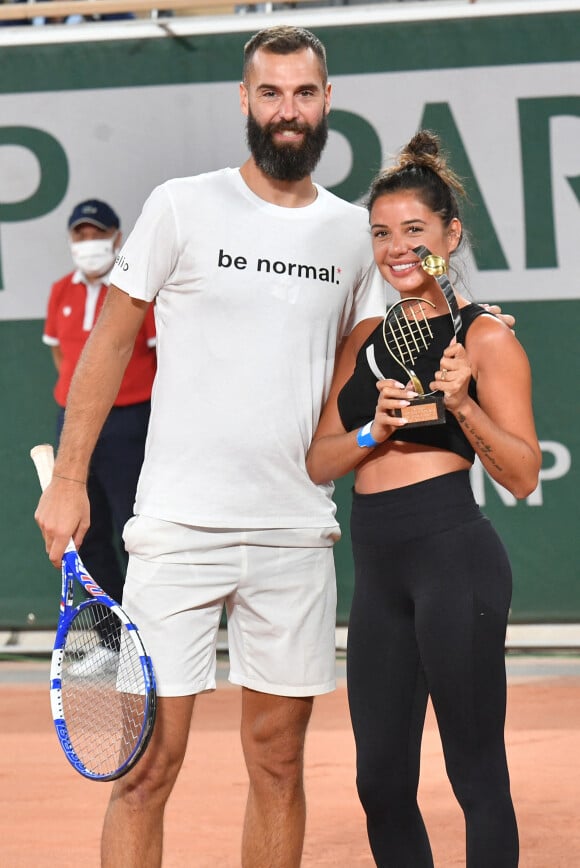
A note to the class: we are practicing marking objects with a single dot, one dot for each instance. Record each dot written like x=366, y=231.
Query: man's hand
x=506, y=318
x=63, y=512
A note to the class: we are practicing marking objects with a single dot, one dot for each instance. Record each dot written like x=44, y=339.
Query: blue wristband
x=364, y=436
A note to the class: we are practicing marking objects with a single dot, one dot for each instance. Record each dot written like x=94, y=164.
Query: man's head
x=286, y=98
x=285, y=40
x=94, y=236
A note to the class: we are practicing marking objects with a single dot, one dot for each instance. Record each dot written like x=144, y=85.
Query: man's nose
x=288, y=110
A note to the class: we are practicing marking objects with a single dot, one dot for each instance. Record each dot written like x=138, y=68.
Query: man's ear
x=327, y=98
x=244, y=99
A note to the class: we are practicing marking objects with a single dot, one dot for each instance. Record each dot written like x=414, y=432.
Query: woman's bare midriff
x=399, y=464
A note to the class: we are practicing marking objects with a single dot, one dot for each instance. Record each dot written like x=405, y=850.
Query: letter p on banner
x=54, y=175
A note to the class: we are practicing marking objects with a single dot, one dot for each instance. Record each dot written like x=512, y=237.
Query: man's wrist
x=70, y=478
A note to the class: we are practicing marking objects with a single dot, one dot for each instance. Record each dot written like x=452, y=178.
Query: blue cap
x=96, y=212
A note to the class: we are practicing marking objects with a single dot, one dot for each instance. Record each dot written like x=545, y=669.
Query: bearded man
x=256, y=274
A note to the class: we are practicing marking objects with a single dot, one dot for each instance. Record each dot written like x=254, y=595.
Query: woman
x=432, y=579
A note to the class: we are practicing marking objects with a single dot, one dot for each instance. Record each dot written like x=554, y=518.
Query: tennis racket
x=102, y=684
x=407, y=334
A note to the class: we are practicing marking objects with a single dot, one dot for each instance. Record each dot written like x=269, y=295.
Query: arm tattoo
x=483, y=449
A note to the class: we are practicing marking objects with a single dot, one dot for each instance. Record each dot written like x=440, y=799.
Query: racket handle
x=43, y=457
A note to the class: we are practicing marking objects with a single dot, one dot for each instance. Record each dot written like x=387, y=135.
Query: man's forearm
x=93, y=390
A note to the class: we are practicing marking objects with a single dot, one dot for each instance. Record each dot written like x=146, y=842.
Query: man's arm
x=63, y=509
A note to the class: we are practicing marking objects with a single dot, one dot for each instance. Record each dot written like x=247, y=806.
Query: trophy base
x=423, y=411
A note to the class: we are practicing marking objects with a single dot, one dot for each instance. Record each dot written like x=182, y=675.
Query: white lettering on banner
x=529, y=204
x=560, y=467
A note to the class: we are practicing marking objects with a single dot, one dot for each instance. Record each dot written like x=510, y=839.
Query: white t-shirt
x=250, y=301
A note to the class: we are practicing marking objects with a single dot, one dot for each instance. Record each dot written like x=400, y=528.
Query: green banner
x=112, y=117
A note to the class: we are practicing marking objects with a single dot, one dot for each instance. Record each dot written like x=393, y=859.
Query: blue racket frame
x=73, y=570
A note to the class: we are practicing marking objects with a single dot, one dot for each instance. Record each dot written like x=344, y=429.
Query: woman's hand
x=453, y=376
x=392, y=396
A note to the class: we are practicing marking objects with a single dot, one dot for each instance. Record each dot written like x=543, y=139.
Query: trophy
x=407, y=334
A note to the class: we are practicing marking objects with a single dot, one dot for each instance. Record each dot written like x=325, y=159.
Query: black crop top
x=357, y=400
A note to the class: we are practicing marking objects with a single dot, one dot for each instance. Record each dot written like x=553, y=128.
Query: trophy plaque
x=407, y=334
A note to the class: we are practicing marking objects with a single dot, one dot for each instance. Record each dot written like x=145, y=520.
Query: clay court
x=51, y=816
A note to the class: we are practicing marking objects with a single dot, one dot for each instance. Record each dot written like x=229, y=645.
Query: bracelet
x=364, y=436
x=69, y=479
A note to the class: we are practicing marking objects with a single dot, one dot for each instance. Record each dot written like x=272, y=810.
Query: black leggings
x=428, y=617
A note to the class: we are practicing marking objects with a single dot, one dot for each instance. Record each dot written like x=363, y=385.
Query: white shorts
x=279, y=590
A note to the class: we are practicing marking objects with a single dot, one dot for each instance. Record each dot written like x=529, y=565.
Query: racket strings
x=103, y=690
x=407, y=334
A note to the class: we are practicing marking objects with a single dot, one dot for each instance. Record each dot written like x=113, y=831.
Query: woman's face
x=400, y=222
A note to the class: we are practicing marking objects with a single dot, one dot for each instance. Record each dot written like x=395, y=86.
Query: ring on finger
x=443, y=374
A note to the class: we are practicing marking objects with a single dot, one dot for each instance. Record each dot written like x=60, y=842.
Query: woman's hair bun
x=424, y=151
x=423, y=143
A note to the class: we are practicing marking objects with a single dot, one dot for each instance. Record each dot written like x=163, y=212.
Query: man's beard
x=286, y=162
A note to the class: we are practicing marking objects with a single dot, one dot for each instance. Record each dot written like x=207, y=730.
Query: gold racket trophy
x=407, y=334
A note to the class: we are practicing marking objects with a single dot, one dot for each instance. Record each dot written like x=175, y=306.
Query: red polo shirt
x=73, y=308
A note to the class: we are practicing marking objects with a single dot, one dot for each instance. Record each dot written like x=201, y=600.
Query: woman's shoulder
x=491, y=344
x=363, y=331
x=483, y=323
x=354, y=342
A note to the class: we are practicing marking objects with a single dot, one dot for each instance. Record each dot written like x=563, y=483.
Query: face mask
x=94, y=257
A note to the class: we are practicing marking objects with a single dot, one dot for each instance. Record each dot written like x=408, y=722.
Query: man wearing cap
x=74, y=305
